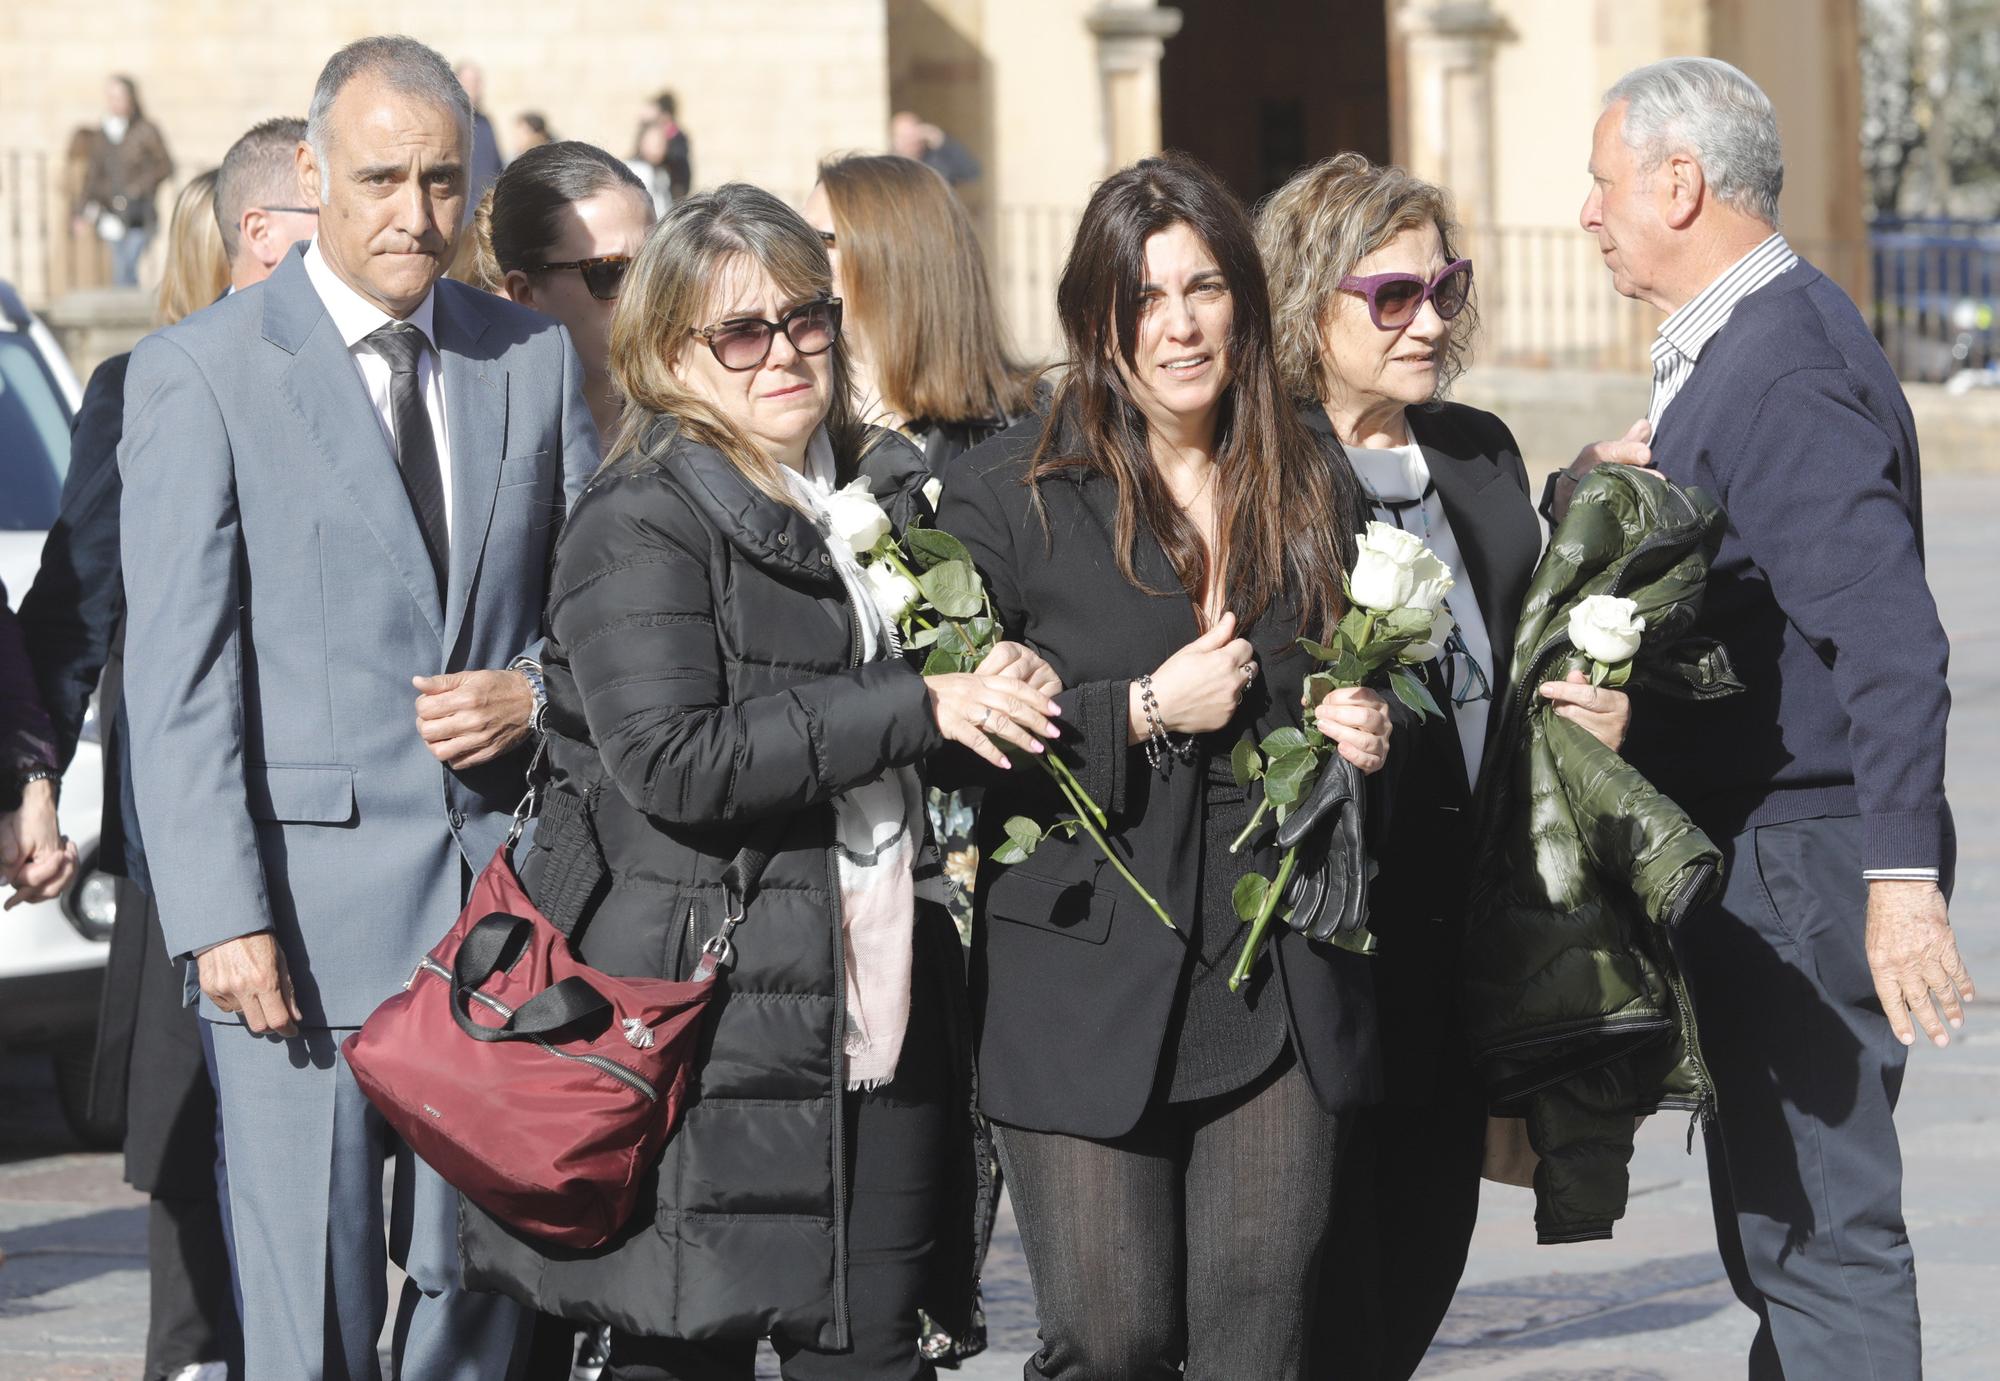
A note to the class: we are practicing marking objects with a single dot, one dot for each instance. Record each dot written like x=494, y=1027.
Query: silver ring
x=985, y=719
x=1249, y=671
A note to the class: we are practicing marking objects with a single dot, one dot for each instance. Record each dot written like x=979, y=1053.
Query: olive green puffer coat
x=1574, y=1007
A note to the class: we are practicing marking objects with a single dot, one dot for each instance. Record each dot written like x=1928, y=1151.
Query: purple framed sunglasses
x=1394, y=299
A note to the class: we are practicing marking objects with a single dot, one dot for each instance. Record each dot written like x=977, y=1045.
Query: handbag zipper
x=630, y=1078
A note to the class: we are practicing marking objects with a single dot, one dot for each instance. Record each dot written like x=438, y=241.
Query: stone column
x=1447, y=108
x=1131, y=36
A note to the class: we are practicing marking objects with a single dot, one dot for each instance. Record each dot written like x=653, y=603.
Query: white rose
x=1606, y=629
x=1433, y=644
x=855, y=518
x=933, y=492
x=1433, y=581
x=1384, y=573
x=894, y=592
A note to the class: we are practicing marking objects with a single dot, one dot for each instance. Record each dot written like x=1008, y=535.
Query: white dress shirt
x=354, y=316
x=1400, y=475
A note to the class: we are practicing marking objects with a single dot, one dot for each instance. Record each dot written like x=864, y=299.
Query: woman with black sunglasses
x=557, y=231
x=1374, y=312
x=721, y=678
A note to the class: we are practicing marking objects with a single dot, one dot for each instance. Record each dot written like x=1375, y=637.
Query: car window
x=34, y=438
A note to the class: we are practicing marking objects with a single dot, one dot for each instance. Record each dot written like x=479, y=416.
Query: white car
x=52, y=954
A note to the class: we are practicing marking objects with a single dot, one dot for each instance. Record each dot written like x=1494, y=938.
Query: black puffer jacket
x=701, y=682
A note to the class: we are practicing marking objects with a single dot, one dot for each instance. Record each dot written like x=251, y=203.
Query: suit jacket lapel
x=475, y=403
x=324, y=388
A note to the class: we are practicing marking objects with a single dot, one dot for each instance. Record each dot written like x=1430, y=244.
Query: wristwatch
x=531, y=671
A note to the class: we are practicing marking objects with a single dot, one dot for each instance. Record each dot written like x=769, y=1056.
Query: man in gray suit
x=341, y=484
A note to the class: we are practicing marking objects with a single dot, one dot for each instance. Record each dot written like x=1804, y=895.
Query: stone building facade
x=1493, y=98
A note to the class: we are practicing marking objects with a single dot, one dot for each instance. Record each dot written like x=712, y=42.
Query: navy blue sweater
x=1793, y=419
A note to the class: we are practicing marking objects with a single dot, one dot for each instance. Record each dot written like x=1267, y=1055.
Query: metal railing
x=1930, y=289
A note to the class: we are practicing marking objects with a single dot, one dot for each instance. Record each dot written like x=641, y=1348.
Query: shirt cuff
x=1899, y=874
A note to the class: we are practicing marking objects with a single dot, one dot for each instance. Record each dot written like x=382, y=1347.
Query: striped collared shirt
x=1683, y=334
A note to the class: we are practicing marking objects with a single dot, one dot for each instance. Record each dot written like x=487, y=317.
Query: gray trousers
x=306, y=1154
x=1803, y=1163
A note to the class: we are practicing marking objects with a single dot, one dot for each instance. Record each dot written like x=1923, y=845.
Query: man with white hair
x=1823, y=782
x=341, y=489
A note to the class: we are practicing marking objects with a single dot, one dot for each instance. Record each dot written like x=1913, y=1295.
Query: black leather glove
x=1328, y=893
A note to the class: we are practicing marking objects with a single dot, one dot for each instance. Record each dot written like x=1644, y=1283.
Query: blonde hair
x=474, y=262
x=668, y=295
x=915, y=285
x=197, y=270
x=1316, y=228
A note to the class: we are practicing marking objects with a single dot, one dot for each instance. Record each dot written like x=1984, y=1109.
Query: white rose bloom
x=1606, y=628
x=855, y=518
x=1433, y=581
x=1384, y=573
x=1433, y=644
x=895, y=593
x=933, y=492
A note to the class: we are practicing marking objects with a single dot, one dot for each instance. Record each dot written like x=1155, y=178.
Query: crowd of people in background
x=347, y=540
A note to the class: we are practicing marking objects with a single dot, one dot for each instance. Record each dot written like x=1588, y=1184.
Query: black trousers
x=901, y=1140
x=1803, y=1162
x=1404, y=1208
x=1192, y=1240
x=191, y=1317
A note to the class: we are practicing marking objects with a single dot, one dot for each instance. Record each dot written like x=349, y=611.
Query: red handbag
x=540, y=1088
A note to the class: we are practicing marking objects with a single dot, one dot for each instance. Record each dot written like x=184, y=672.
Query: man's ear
x=1687, y=189
x=309, y=173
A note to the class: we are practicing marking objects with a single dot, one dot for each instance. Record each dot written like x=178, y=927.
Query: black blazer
x=1417, y=902
x=73, y=617
x=1073, y=978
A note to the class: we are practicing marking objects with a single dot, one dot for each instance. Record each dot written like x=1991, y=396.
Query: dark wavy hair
x=1286, y=509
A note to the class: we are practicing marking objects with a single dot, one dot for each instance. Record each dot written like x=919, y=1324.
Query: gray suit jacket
x=280, y=599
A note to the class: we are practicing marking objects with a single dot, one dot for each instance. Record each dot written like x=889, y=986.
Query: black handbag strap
x=555, y=1007
x=739, y=884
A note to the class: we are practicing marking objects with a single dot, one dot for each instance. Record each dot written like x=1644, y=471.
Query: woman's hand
x=1024, y=664
x=1603, y=712
x=975, y=709
x=1357, y=720
x=1198, y=688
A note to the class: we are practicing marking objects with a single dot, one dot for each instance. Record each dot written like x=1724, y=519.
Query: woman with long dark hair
x=1164, y=538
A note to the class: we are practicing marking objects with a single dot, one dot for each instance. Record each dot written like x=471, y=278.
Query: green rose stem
x=1272, y=896
x=1089, y=815
x=1092, y=818
x=1256, y=819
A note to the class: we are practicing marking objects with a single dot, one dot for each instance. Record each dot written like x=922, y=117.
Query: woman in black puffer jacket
x=718, y=677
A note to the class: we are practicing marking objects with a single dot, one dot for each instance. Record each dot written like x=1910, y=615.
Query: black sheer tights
x=1192, y=1239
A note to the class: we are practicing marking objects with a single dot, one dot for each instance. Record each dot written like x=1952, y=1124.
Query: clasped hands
x=1197, y=691
x=36, y=859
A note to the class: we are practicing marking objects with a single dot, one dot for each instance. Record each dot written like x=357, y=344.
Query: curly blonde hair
x=1317, y=227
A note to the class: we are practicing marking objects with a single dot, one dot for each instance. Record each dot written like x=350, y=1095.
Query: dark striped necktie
x=401, y=345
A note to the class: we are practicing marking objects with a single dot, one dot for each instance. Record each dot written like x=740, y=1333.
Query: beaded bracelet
x=1160, y=744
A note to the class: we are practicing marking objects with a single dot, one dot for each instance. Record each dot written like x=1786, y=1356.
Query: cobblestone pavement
x=1651, y=1305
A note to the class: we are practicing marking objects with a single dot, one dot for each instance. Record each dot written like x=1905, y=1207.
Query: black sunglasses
x=295, y=210
x=603, y=276
x=744, y=342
